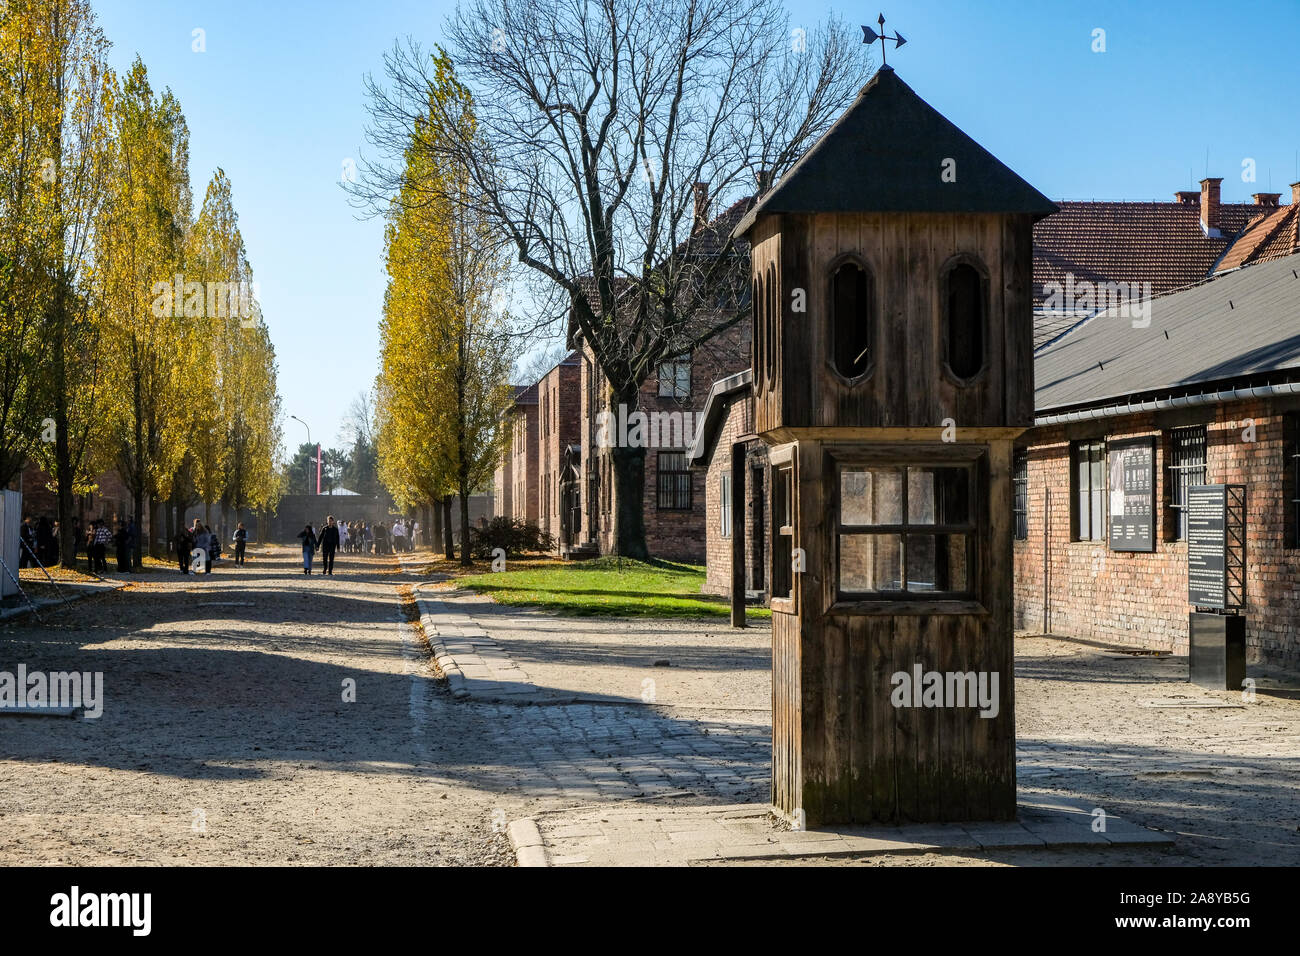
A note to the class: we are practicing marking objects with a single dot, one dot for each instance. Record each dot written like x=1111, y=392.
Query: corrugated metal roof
x=1240, y=324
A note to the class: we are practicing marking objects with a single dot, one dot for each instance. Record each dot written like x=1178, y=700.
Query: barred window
x=1088, y=483
x=724, y=505
x=1186, y=468
x=1021, y=482
x=675, y=378
x=674, y=482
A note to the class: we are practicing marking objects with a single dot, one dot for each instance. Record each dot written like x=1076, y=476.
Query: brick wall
x=1141, y=598
x=558, y=426
x=738, y=421
x=523, y=464
x=670, y=534
x=111, y=499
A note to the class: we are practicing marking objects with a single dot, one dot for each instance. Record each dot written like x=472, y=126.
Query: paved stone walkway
x=474, y=664
x=653, y=836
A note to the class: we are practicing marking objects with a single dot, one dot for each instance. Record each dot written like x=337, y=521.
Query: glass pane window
x=1089, y=484
x=724, y=506
x=675, y=378
x=905, y=529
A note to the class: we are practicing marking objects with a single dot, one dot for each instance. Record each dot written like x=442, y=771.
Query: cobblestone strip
x=475, y=664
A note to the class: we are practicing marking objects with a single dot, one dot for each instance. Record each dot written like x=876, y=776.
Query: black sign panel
x=1207, y=546
x=1132, y=494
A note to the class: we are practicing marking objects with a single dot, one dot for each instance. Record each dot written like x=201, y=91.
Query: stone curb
x=527, y=841
x=446, y=663
x=53, y=603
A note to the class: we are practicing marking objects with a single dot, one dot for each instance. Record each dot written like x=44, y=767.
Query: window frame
x=724, y=505
x=945, y=317
x=1180, y=473
x=677, y=363
x=975, y=460
x=674, y=492
x=1095, y=520
x=1020, y=494
x=871, y=319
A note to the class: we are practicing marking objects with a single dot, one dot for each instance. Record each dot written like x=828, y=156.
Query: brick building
x=111, y=500
x=673, y=401
x=558, y=430
x=1189, y=387
x=727, y=430
x=563, y=463
x=1210, y=393
x=515, y=479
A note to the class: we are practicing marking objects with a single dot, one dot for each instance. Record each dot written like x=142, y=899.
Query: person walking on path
x=122, y=542
x=102, y=537
x=202, y=541
x=308, y=547
x=27, y=548
x=214, y=549
x=184, y=545
x=241, y=541
x=329, y=543
x=131, y=535
x=399, y=536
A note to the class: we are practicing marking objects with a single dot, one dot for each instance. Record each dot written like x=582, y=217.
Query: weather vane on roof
x=871, y=36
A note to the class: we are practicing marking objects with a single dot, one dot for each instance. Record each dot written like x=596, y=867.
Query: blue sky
x=276, y=100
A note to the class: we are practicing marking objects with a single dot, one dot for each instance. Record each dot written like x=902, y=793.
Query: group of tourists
x=199, y=537
x=355, y=537
x=40, y=543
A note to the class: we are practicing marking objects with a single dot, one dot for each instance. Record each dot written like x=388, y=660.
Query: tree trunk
x=137, y=503
x=466, y=559
x=63, y=465
x=629, y=505
x=435, y=526
x=628, y=466
x=155, y=513
x=171, y=529
x=449, y=546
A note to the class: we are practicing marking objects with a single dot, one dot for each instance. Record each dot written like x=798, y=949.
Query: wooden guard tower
x=892, y=372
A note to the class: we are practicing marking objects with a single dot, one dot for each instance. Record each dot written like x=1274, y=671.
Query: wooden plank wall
x=907, y=385
x=786, y=710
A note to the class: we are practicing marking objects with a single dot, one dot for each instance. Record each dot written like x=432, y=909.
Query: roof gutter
x=1164, y=404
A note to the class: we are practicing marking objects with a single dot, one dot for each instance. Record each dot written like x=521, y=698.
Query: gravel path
x=225, y=738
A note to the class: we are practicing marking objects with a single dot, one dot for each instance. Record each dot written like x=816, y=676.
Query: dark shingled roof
x=1240, y=325
x=886, y=154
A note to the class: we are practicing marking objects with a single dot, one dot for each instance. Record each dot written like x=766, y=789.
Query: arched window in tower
x=853, y=315
x=773, y=324
x=964, y=319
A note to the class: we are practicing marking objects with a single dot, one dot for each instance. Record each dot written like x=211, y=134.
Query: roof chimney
x=701, y=206
x=1187, y=197
x=1295, y=193
x=762, y=181
x=1210, y=205
x=1266, y=199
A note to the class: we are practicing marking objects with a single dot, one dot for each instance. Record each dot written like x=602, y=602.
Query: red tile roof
x=1272, y=236
x=1157, y=242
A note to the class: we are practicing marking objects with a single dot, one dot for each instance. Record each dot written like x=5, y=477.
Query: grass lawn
x=611, y=587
